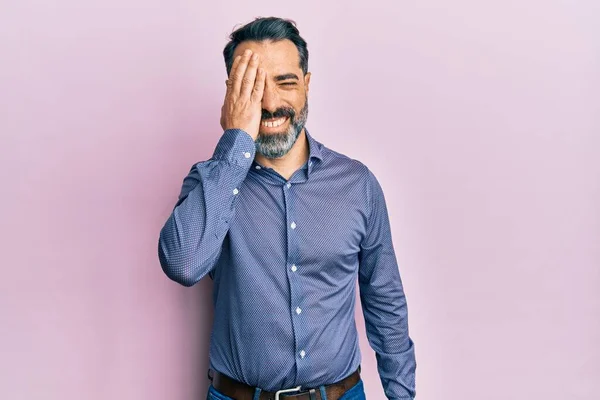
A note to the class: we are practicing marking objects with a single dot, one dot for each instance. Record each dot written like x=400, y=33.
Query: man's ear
x=307, y=81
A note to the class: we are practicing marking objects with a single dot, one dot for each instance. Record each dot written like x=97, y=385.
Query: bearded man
x=285, y=227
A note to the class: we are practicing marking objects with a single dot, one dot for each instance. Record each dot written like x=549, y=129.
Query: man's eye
x=289, y=83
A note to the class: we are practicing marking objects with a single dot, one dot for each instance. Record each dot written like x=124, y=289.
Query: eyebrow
x=286, y=77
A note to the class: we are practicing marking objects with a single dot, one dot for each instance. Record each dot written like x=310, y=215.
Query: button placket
x=295, y=294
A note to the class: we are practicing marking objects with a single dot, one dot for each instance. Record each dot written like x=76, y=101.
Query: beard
x=275, y=145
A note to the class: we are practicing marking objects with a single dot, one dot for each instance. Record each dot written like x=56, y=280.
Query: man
x=285, y=226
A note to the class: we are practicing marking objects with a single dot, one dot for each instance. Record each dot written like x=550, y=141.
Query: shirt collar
x=314, y=148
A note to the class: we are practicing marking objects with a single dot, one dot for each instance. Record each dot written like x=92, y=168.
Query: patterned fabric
x=284, y=257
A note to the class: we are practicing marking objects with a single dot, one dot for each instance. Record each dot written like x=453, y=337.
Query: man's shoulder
x=345, y=162
x=353, y=170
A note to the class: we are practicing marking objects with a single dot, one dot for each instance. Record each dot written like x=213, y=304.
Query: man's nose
x=270, y=100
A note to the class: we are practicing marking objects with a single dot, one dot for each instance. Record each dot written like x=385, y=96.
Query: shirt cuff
x=235, y=146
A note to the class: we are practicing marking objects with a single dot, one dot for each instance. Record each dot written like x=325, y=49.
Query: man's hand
x=245, y=87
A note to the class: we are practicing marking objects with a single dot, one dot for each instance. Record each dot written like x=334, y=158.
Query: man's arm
x=190, y=241
x=383, y=302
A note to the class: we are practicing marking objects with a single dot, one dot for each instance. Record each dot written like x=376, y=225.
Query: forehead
x=275, y=57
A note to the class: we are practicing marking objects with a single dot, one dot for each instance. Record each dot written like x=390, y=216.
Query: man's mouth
x=273, y=122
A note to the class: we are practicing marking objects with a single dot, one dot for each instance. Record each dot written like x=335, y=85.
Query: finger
x=229, y=81
x=239, y=72
x=249, y=77
x=234, y=65
x=259, y=86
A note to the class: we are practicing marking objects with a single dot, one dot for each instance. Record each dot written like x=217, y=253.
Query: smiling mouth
x=273, y=122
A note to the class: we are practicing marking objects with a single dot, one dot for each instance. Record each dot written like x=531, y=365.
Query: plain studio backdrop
x=481, y=120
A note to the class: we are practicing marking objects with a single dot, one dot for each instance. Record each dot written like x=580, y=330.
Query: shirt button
x=293, y=225
x=257, y=167
x=294, y=268
x=310, y=163
x=302, y=353
x=247, y=155
x=289, y=184
x=298, y=310
x=235, y=191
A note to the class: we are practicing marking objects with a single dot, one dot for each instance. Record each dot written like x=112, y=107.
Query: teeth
x=272, y=124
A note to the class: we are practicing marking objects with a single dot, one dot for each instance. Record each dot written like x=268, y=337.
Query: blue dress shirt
x=284, y=257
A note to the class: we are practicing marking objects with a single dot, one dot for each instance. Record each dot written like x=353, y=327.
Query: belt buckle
x=296, y=389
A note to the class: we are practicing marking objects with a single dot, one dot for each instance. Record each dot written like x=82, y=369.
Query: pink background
x=481, y=120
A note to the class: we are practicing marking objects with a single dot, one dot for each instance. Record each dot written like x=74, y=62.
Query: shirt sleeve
x=384, y=303
x=190, y=241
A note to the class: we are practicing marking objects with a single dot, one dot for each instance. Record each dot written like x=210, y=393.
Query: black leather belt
x=240, y=391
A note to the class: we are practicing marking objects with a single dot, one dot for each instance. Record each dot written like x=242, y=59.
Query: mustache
x=279, y=113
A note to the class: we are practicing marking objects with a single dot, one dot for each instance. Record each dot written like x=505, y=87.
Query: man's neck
x=290, y=162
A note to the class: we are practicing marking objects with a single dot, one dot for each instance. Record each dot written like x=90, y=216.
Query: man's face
x=285, y=99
